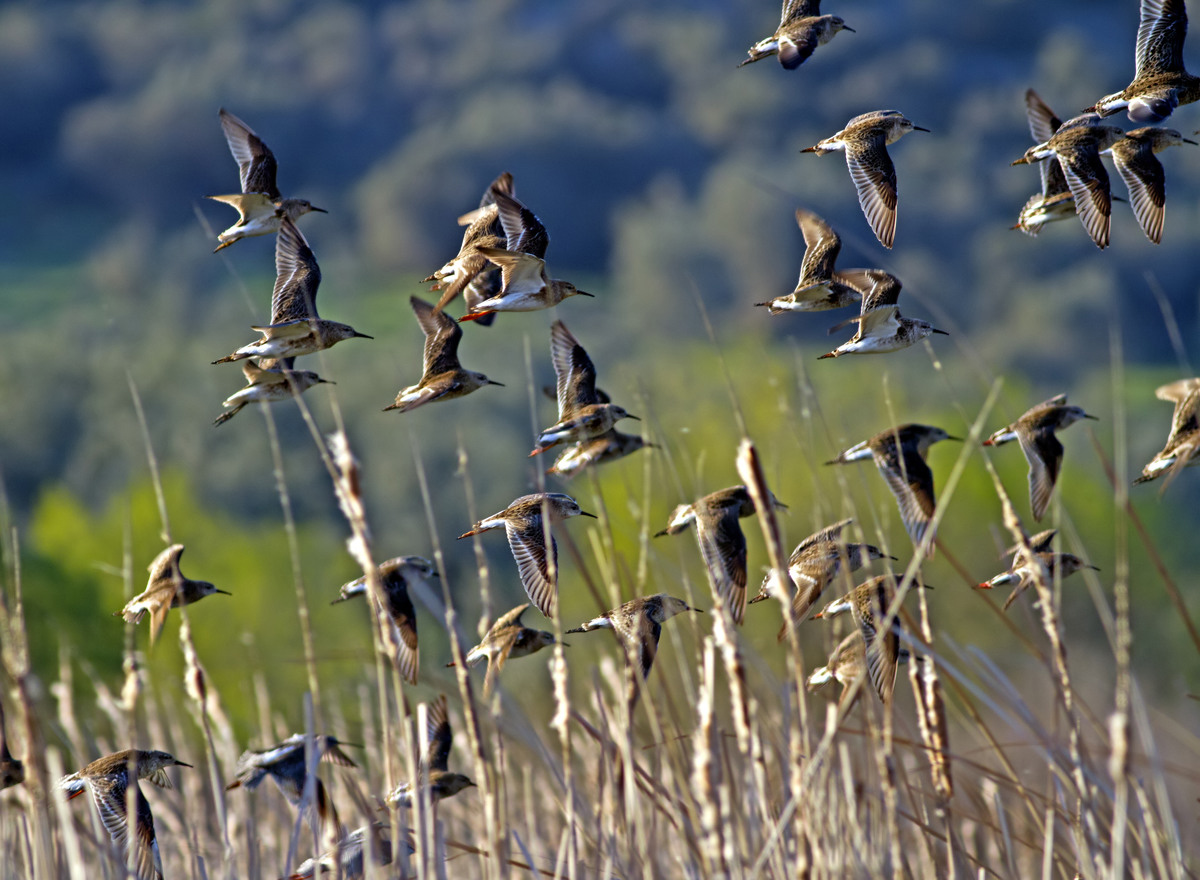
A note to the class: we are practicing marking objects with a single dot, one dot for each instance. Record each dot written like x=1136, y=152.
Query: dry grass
x=718, y=770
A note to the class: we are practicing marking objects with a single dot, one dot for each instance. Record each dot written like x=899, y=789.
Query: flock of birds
x=500, y=267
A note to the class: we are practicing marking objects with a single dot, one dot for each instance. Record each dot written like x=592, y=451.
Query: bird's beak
x=181, y=764
x=852, y=30
x=632, y=416
x=223, y=592
x=1094, y=567
x=585, y=513
x=1021, y=161
x=1097, y=418
x=942, y=332
x=1186, y=141
x=809, y=150
x=315, y=208
x=959, y=439
x=697, y=610
x=326, y=382
x=362, y=335
x=494, y=382
x=918, y=128
x=585, y=293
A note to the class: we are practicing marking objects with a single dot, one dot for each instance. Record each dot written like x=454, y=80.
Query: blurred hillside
x=667, y=179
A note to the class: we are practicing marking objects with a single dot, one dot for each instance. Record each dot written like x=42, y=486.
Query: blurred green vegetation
x=667, y=180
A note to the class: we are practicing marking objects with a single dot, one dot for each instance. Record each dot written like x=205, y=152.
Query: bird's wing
x=297, y=277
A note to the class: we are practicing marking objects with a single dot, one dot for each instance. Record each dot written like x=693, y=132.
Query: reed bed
x=713, y=767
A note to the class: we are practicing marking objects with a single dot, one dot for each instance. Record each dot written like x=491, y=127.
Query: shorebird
x=581, y=415
x=266, y=382
x=1055, y=201
x=12, y=771
x=819, y=286
x=864, y=141
x=817, y=562
x=442, y=376
x=525, y=285
x=869, y=603
x=603, y=448
x=899, y=453
x=469, y=266
x=347, y=858
x=396, y=574
x=1077, y=145
x=1025, y=570
x=296, y=328
x=1143, y=174
x=442, y=783
x=846, y=665
x=638, y=623
x=1183, y=443
x=260, y=206
x=1035, y=431
x=522, y=523
x=285, y=764
x=801, y=29
x=108, y=781
x=722, y=544
x=507, y=639
x=166, y=589
x=1160, y=82
x=881, y=327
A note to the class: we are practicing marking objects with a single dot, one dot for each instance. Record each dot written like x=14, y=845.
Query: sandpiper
x=1077, y=145
x=260, y=206
x=285, y=764
x=899, y=453
x=442, y=783
x=1055, y=201
x=801, y=29
x=722, y=544
x=166, y=589
x=12, y=771
x=525, y=285
x=819, y=286
x=881, y=327
x=1183, y=443
x=442, y=376
x=1160, y=82
x=864, y=140
x=347, y=859
x=817, y=562
x=1143, y=174
x=396, y=573
x=522, y=522
x=507, y=638
x=581, y=415
x=108, y=780
x=296, y=328
x=470, y=266
x=638, y=623
x=1035, y=431
x=869, y=603
x=606, y=447
x=266, y=382
x=1044, y=562
x=846, y=665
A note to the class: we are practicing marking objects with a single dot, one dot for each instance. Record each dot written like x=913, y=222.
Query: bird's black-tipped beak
x=940, y=332
x=315, y=208
x=585, y=513
x=494, y=382
x=326, y=382
x=585, y=293
x=362, y=335
x=632, y=416
x=223, y=592
x=697, y=610
x=181, y=764
x=1089, y=415
x=1186, y=141
x=959, y=439
x=915, y=127
x=848, y=28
